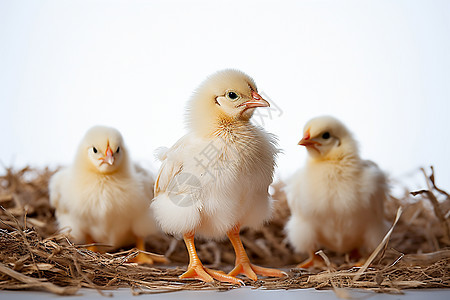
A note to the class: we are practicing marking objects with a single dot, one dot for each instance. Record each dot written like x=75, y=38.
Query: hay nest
x=34, y=255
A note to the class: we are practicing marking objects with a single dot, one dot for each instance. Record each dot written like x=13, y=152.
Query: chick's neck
x=229, y=128
x=338, y=157
x=217, y=124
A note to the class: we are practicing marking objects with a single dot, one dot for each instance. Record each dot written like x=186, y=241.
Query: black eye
x=232, y=95
x=118, y=149
x=326, y=135
x=94, y=149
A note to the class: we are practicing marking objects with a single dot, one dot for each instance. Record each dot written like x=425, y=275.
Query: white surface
x=381, y=66
x=241, y=293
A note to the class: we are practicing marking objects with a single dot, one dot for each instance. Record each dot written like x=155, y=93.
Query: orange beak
x=108, y=158
x=308, y=142
x=256, y=101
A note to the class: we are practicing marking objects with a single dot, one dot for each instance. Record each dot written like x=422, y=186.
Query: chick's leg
x=197, y=271
x=243, y=265
x=146, y=258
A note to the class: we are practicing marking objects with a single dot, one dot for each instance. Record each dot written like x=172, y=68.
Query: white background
x=382, y=67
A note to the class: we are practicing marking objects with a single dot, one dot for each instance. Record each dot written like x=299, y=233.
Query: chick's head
x=228, y=95
x=327, y=138
x=102, y=150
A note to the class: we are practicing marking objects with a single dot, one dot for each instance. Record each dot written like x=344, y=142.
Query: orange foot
x=250, y=270
x=359, y=263
x=143, y=258
x=307, y=263
x=93, y=248
x=146, y=258
x=243, y=265
x=313, y=260
x=356, y=255
x=310, y=262
x=197, y=271
x=90, y=241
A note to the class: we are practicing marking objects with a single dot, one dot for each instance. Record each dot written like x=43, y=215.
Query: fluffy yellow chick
x=102, y=197
x=215, y=179
x=337, y=199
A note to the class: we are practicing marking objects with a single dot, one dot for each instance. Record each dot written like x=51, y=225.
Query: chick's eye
x=326, y=135
x=232, y=95
x=118, y=149
x=94, y=149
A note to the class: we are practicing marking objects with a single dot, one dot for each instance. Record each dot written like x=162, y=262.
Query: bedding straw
x=33, y=255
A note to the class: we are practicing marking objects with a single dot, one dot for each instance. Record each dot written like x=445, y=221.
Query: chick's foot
x=251, y=271
x=143, y=258
x=208, y=275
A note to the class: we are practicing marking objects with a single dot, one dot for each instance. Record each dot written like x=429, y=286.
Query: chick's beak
x=256, y=101
x=109, y=158
x=307, y=141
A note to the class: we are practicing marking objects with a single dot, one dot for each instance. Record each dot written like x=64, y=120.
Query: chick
x=215, y=179
x=337, y=199
x=102, y=197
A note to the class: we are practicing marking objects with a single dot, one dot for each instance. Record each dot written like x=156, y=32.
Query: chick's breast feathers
x=208, y=185
x=112, y=209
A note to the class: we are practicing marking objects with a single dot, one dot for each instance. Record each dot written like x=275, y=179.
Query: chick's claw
x=197, y=272
x=208, y=275
x=312, y=260
x=245, y=269
x=146, y=258
x=359, y=263
x=92, y=248
x=268, y=271
x=251, y=271
x=307, y=263
x=143, y=258
x=90, y=241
